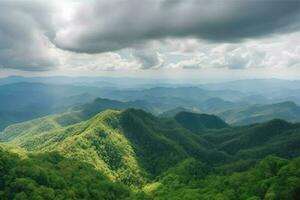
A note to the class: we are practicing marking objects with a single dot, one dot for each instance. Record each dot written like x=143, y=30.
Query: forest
x=132, y=154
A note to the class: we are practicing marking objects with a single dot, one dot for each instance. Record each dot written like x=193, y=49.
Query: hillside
x=288, y=111
x=51, y=176
x=276, y=137
x=270, y=178
x=129, y=145
x=199, y=122
x=141, y=156
x=76, y=114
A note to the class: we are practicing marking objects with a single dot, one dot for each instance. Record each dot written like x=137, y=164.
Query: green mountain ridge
x=141, y=156
x=128, y=145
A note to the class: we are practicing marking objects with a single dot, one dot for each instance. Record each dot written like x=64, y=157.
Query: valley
x=138, y=147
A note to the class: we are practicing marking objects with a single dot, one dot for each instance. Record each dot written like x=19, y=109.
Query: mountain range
x=140, y=156
x=260, y=113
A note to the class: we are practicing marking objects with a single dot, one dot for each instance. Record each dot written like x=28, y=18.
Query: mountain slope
x=162, y=158
x=51, y=176
x=76, y=114
x=271, y=178
x=276, y=137
x=130, y=146
x=199, y=122
x=259, y=113
x=95, y=141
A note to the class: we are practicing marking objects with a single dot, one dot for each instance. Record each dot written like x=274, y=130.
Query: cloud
x=147, y=58
x=109, y=61
x=277, y=52
x=25, y=29
x=190, y=34
x=103, y=25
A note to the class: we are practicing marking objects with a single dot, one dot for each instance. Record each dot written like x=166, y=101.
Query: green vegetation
x=272, y=178
x=131, y=154
x=51, y=176
x=199, y=122
x=276, y=137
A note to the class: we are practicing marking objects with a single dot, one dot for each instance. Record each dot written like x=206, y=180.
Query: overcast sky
x=196, y=39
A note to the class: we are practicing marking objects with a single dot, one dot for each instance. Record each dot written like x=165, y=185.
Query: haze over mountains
x=57, y=94
x=142, y=142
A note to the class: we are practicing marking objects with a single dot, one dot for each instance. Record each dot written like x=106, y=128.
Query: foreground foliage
x=51, y=176
x=271, y=179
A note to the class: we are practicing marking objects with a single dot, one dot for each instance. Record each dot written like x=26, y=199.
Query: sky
x=190, y=39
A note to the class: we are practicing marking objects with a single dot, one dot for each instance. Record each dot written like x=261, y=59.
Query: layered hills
x=137, y=155
x=288, y=111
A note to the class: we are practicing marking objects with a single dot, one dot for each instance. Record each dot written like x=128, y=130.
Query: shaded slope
x=160, y=144
x=276, y=137
x=199, y=122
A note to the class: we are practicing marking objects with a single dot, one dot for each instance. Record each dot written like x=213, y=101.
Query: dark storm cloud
x=116, y=24
x=25, y=27
x=30, y=29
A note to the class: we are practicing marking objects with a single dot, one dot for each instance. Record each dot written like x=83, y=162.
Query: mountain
x=275, y=137
x=75, y=115
x=100, y=104
x=94, y=81
x=259, y=113
x=216, y=105
x=251, y=85
x=198, y=123
x=25, y=101
x=135, y=155
x=155, y=93
x=130, y=146
x=171, y=113
x=40, y=99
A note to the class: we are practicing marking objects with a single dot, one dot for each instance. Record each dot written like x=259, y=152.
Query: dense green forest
x=132, y=154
